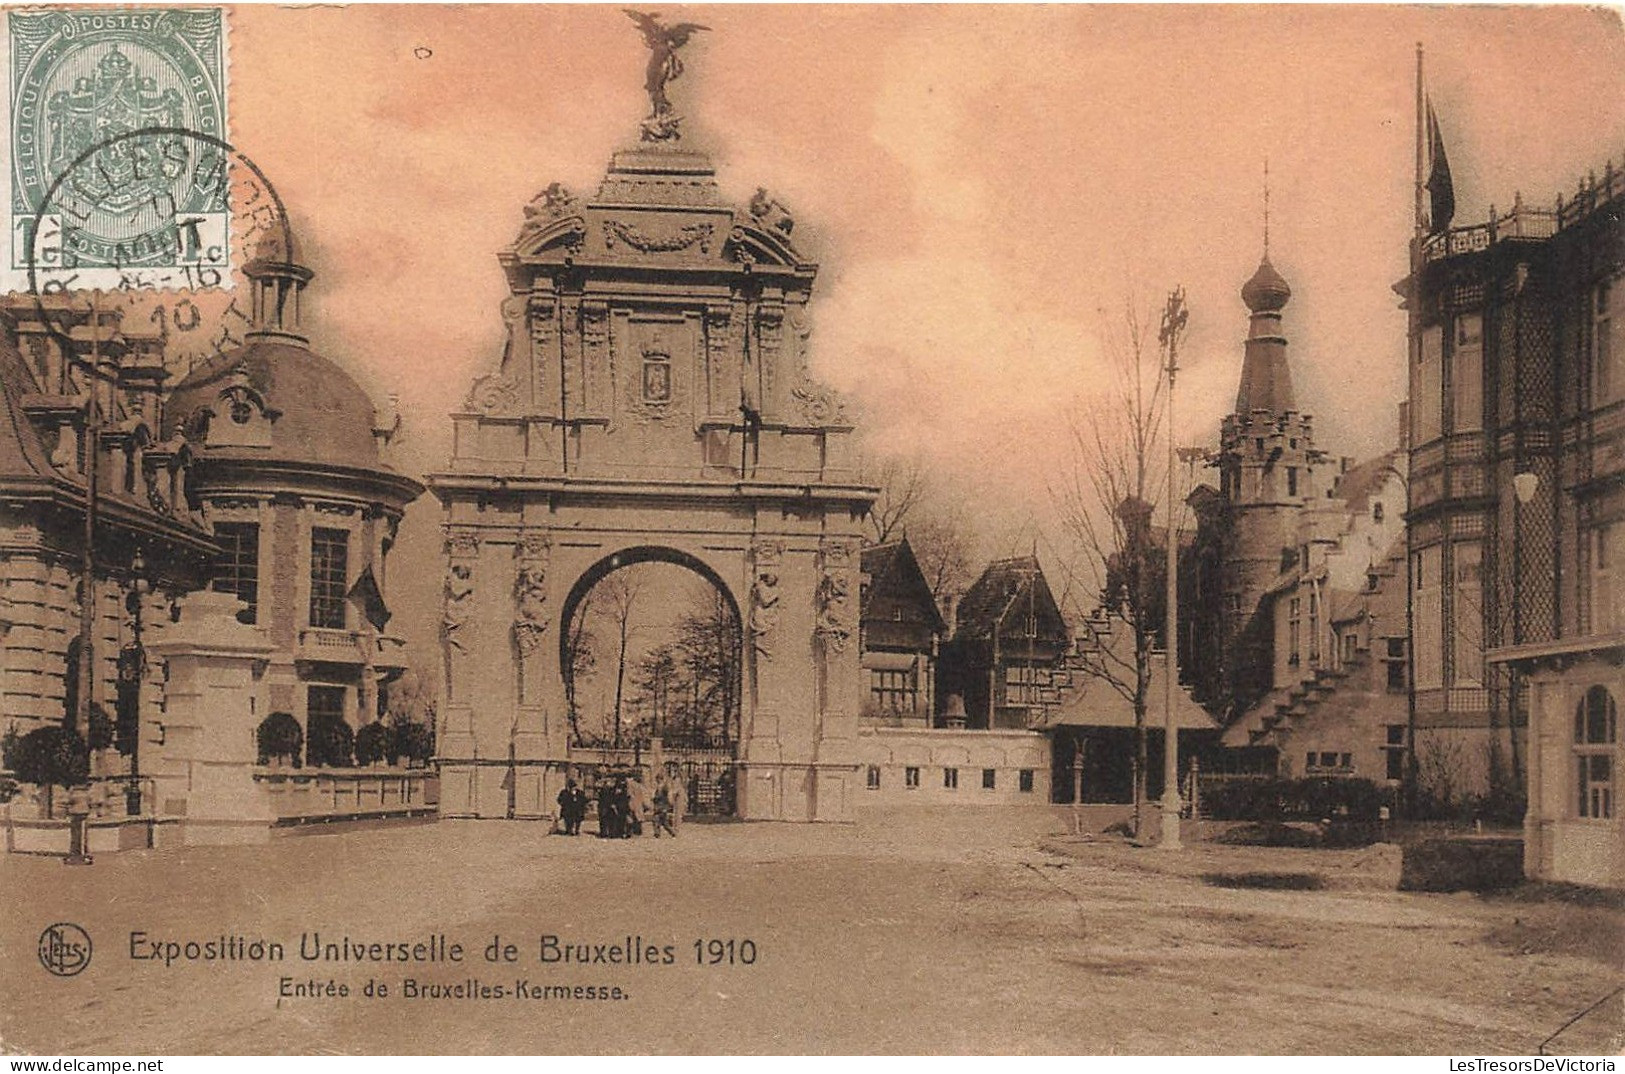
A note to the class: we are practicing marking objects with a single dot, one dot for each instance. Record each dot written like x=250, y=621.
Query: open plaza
x=920, y=929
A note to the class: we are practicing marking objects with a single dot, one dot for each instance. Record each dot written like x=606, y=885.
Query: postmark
x=193, y=308
x=116, y=127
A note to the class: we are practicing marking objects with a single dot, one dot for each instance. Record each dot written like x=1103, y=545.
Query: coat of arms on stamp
x=117, y=123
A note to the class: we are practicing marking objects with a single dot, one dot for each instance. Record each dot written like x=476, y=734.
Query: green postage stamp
x=120, y=174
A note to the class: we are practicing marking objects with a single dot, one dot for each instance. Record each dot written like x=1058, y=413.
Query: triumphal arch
x=653, y=402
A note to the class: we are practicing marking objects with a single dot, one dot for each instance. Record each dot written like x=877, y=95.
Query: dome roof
x=1267, y=291
x=321, y=415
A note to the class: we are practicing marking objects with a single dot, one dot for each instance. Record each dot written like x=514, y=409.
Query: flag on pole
x=1441, y=191
x=367, y=598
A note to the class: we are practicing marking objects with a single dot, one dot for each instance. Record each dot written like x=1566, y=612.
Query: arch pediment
x=562, y=234
x=753, y=244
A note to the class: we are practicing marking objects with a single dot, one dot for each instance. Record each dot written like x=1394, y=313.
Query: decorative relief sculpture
x=768, y=212
x=547, y=208
x=817, y=404
x=663, y=123
x=834, y=625
x=764, y=595
x=530, y=590
x=530, y=603
x=458, y=607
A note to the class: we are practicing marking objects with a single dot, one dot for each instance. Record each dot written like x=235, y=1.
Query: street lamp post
x=1174, y=316
x=137, y=665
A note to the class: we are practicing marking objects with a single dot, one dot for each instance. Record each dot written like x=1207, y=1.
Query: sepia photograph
x=883, y=529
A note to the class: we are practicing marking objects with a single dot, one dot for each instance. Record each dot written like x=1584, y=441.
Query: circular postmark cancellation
x=185, y=296
x=64, y=949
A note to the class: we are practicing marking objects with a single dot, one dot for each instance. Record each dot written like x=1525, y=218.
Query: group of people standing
x=625, y=806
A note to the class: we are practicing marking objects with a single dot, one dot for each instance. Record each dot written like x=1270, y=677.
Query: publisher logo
x=64, y=949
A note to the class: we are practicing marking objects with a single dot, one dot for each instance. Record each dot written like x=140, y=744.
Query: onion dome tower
x=1266, y=470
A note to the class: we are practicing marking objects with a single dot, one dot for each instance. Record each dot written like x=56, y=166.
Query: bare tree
x=580, y=657
x=902, y=486
x=621, y=591
x=942, y=544
x=708, y=644
x=1109, y=495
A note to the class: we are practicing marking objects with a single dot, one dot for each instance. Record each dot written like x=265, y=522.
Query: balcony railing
x=347, y=646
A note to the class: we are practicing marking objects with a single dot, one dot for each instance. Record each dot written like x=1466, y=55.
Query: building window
x=237, y=568
x=990, y=779
x=1328, y=761
x=911, y=778
x=1427, y=617
x=1466, y=635
x=328, y=742
x=1427, y=387
x=894, y=691
x=1351, y=642
x=873, y=777
x=1596, y=731
x=1291, y=480
x=329, y=577
x=1020, y=685
x=1393, y=750
x=1607, y=345
x=1467, y=374
x=1294, y=612
x=1376, y=511
x=1314, y=628
x=1604, y=598
x=1024, y=781
x=1395, y=660
x=950, y=779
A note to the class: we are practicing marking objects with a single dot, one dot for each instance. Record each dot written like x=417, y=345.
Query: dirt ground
x=968, y=930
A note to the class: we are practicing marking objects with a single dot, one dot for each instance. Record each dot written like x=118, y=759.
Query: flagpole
x=1413, y=355
x=1421, y=164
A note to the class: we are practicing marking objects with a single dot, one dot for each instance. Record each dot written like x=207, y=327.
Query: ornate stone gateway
x=653, y=400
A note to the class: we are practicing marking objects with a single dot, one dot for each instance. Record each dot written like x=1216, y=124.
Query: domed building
x=289, y=470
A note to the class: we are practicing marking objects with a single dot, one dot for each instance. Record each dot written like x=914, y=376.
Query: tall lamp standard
x=135, y=667
x=1174, y=316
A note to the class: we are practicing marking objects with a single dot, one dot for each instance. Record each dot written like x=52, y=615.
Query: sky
x=984, y=188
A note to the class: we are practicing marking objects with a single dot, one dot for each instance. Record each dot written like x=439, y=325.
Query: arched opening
x=651, y=652
x=1596, y=739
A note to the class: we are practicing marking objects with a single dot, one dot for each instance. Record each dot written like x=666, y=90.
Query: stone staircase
x=1298, y=702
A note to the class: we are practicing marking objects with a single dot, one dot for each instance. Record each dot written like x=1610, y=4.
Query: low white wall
x=889, y=753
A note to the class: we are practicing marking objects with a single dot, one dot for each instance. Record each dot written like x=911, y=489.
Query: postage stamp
x=115, y=131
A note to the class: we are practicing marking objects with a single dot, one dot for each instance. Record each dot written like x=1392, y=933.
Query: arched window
x=1596, y=731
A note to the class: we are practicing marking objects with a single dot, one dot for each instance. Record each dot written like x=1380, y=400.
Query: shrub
x=330, y=742
x=372, y=743
x=101, y=727
x=51, y=756
x=280, y=736
x=1313, y=799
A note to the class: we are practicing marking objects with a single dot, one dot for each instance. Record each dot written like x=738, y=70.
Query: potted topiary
x=280, y=740
x=330, y=742
x=372, y=744
x=50, y=757
x=412, y=741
